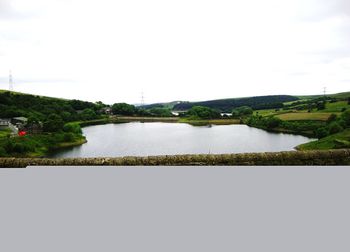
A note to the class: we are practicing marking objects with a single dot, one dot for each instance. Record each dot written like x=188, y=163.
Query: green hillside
x=226, y=105
x=15, y=104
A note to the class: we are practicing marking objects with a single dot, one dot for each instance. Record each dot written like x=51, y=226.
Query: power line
x=10, y=81
x=142, y=99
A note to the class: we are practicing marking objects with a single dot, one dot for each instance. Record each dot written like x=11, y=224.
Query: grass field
x=270, y=112
x=300, y=100
x=5, y=132
x=208, y=122
x=336, y=106
x=304, y=116
x=343, y=95
x=336, y=141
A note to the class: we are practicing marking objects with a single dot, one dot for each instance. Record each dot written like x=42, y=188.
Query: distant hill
x=226, y=105
x=343, y=95
x=169, y=105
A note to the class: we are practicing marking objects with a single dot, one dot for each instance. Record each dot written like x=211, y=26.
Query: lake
x=157, y=138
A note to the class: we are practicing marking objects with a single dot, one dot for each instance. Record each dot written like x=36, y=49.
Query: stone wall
x=327, y=157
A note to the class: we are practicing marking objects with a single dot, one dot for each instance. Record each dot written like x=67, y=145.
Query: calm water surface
x=144, y=139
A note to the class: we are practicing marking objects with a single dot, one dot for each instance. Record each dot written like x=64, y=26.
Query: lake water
x=144, y=139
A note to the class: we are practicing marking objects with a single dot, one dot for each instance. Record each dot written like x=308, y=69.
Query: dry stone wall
x=327, y=157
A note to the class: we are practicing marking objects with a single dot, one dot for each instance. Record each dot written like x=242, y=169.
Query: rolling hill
x=226, y=105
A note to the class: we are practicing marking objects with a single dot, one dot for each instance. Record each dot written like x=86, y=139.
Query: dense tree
x=332, y=118
x=66, y=116
x=273, y=122
x=53, y=123
x=162, y=112
x=201, y=112
x=321, y=105
x=13, y=105
x=227, y=105
x=346, y=118
x=143, y=112
x=242, y=111
x=81, y=105
x=321, y=132
x=72, y=127
x=334, y=127
x=33, y=120
x=123, y=109
x=88, y=114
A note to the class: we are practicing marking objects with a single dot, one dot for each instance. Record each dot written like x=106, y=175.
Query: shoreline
x=44, y=153
x=127, y=119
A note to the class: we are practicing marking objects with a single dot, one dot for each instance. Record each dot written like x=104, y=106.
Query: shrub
x=162, y=112
x=235, y=113
x=68, y=137
x=88, y=114
x=9, y=146
x=335, y=128
x=72, y=127
x=53, y=123
x=123, y=109
x=321, y=105
x=273, y=122
x=321, y=132
x=203, y=113
x=332, y=118
x=242, y=111
x=3, y=152
x=346, y=117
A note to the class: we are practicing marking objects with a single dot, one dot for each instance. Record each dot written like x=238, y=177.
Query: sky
x=113, y=51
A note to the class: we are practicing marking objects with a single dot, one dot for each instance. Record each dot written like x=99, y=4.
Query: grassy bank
x=143, y=119
x=38, y=145
x=304, y=116
x=5, y=132
x=336, y=141
x=208, y=122
x=125, y=119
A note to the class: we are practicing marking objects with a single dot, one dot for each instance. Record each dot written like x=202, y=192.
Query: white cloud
x=188, y=50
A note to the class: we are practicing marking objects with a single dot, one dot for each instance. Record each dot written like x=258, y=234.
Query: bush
x=3, y=152
x=235, y=113
x=72, y=127
x=203, y=113
x=68, y=137
x=143, y=112
x=321, y=105
x=88, y=114
x=9, y=146
x=162, y=112
x=346, y=118
x=18, y=146
x=123, y=109
x=53, y=123
x=332, y=118
x=273, y=122
x=321, y=132
x=335, y=128
x=242, y=111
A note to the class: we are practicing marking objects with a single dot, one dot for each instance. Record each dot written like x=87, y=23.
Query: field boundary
x=324, y=157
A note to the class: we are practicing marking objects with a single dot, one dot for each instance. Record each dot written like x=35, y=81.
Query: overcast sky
x=112, y=50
